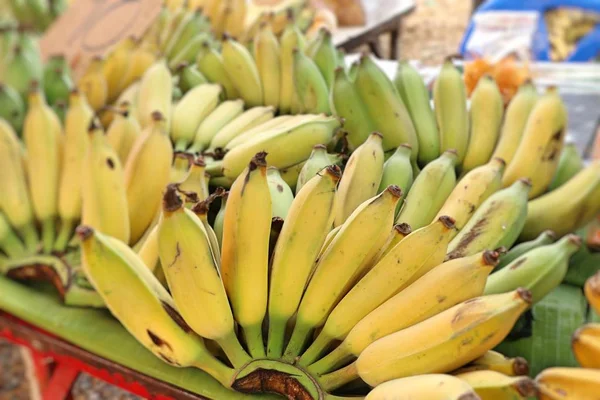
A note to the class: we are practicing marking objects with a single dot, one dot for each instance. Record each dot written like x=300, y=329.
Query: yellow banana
x=43, y=138
x=214, y=122
x=267, y=56
x=93, y=84
x=494, y=361
x=146, y=175
x=568, y=383
x=142, y=58
x=123, y=131
x=201, y=210
x=412, y=258
x=586, y=346
x=246, y=121
x=242, y=71
x=180, y=167
x=116, y=67
x=361, y=178
x=235, y=17
x=77, y=122
x=291, y=39
x=196, y=180
x=592, y=292
x=245, y=253
x=430, y=387
x=399, y=232
x=148, y=250
x=492, y=385
x=261, y=129
x=156, y=90
x=365, y=229
x=304, y=231
x=210, y=64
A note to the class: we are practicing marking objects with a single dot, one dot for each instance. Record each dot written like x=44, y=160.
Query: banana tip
x=468, y=396
x=525, y=181
x=395, y=191
x=491, y=257
x=84, y=232
x=500, y=161
x=259, y=160
x=377, y=134
x=334, y=171
x=574, y=239
x=403, y=229
x=520, y=366
x=171, y=200
x=501, y=250
x=406, y=145
x=157, y=116
x=525, y=295
x=447, y=221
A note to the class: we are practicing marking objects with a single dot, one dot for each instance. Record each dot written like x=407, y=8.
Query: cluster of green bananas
x=566, y=26
x=35, y=14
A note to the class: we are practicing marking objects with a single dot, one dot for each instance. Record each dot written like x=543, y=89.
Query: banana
x=242, y=72
x=22, y=70
x=193, y=277
x=566, y=208
x=384, y=106
x=318, y=160
x=192, y=25
x=538, y=153
x=123, y=131
x=57, y=80
x=142, y=58
x=430, y=387
x=287, y=146
x=214, y=123
x=412, y=258
x=443, y=342
x=303, y=234
x=148, y=250
x=515, y=120
x=196, y=181
x=324, y=55
x=244, y=256
x=569, y=164
x=494, y=361
x=471, y=191
x=220, y=219
x=235, y=16
x=397, y=170
x=592, y=292
x=10, y=243
x=251, y=118
x=544, y=238
x=450, y=104
x=369, y=223
x=267, y=56
x=42, y=133
x=399, y=232
x=497, y=222
x=291, y=39
x=492, y=385
x=180, y=167
x=568, y=383
x=146, y=174
x=210, y=64
x=15, y=199
x=347, y=102
x=121, y=279
x=586, y=345
x=310, y=86
x=78, y=119
x=191, y=110
x=415, y=96
x=189, y=52
x=156, y=89
x=93, y=84
x=429, y=191
x=539, y=270
x=361, y=178
x=116, y=67
x=281, y=194
x=201, y=210
x=12, y=107
x=269, y=125
x=485, y=119
x=189, y=76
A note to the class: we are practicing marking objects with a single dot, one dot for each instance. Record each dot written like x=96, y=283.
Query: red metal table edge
x=70, y=360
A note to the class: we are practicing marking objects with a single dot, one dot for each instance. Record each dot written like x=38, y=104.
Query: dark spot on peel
x=110, y=163
x=175, y=316
x=158, y=340
x=518, y=263
x=177, y=254
x=279, y=188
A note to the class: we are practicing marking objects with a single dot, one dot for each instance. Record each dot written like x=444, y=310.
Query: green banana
x=544, y=238
x=189, y=76
x=319, y=159
x=10, y=243
x=397, y=170
x=291, y=39
x=219, y=219
x=242, y=72
x=310, y=86
x=188, y=53
x=569, y=164
x=324, y=55
x=281, y=194
x=210, y=64
x=21, y=72
x=12, y=107
x=189, y=28
x=57, y=80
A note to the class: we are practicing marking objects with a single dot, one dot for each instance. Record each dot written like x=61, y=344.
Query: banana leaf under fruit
x=98, y=332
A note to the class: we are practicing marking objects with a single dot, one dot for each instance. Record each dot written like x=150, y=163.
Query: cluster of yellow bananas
x=566, y=26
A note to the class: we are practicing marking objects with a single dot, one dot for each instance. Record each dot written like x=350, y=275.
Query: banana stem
x=299, y=336
x=254, y=340
x=216, y=369
x=181, y=145
x=48, y=234
x=215, y=168
x=195, y=148
x=234, y=350
x=276, y=338
x=30, y=236
x=315, y=349
x=337, y=357
x=64, y=235
x=12, y=245
x=339, y=378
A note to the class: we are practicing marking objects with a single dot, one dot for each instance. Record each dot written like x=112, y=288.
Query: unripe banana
x=244, y=122
x=267, y=56
x=361, y=178
x=430, y=387
x=220, y=219
x=497, y=222
x=515, y=120
x=471, y=191
x=12, y=108
x=397, y=170
x=188, y=53
x=309, y=220
x=494, y=361
x=544, y=238
x=242, y=71
x=450, y=103
x=93, y=84
x=310, y=87
x=269, y=124
x=57, y=80
x=415, y=96
x=492, y=385
x=10, y=243
x=191, y=110
x=123, y=132
x=22, y=70
x=318, y=160
x=291, y=39
x=369, y=223
x=568, y=383
x=324, y=55
x=429, y=191
x=189, y=77
x=215, y=122
x=156, y=89
x=485, y=118
x=538, y=153
x=190, y=27
x=384, y=106
x=210, y=64
x=281, y=194
x=569, y=164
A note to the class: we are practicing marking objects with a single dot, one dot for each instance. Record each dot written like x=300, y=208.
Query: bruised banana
x=430, y=387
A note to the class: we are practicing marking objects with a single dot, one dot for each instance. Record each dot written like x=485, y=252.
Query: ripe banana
x=471, y=191
x=244, y=259
x=318, y=160
x=267, y=56
x=304, y=231
x=566, y=208
x=261, y=127
x=196, y=180
x=146, y=174
x=281, y=194
x=214, y=123
x=429, y=191
x=180, y=167
x=415, y=96
x=244, y=122
x=430, y=387
x=156, y=89
x=544, y=238
x=450, y=104
x=369, y=224
x=412, y=258
x=310, y=86
x=485, y=119
x=142, y=58
x=235, y=16
x=494, y=361
x=399, y=232
x=210, y=64
x=592, y=292
x=122, y=279
x=569, y=164
x=497, y=222
x=77, y=122
x=43, y=138
x=93, y=84
x=538, y=153
x=443, y=342
x=361, y=178
x=568, y=383
x=116, y=67
x=190, y=111
x=242, y=72
x=291, y=39
x=492, y=385
x=586, y=345
x=123, y=131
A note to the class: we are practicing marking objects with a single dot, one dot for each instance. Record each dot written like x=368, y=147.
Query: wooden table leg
x=61, y=382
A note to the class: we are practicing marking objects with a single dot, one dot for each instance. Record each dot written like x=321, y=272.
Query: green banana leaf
x=543, y=336
x=98, y=332
x=582, y=265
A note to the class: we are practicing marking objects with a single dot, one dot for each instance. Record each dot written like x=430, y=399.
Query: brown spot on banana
x=175, y=316
x=157, y=340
